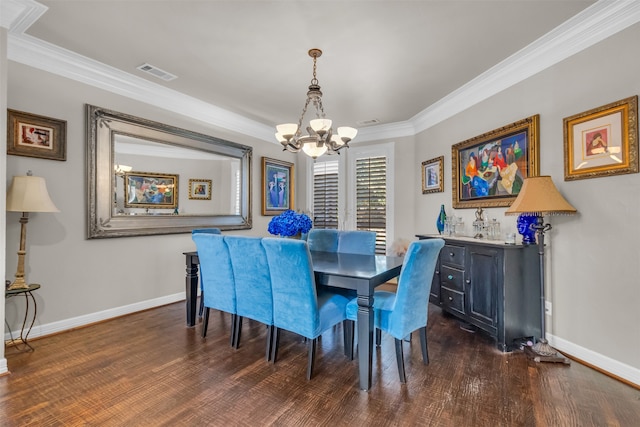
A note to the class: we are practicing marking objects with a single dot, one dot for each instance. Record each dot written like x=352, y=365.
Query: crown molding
x=599, y=21
x=18, y=15
x=594, y=24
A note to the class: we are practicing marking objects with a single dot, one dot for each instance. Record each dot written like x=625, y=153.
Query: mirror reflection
x=149, y=178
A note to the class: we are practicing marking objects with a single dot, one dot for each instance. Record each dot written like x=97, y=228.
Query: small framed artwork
x=200, y=189
x=150, y=190
x=432, y=175
x=602, y=141
x=489, y=169
x=277, y=186
x=31, y=135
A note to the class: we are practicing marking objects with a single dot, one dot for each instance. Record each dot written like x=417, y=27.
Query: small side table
x=25, y=330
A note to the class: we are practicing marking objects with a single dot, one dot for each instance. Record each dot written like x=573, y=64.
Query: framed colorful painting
x=277, y=186
x=488, y=170
x=432, y=175
x=200, y=189
x=151, y=190
x=31, y=135
x=602, y=141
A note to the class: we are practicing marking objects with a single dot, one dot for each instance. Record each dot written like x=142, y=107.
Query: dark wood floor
x=149, y=369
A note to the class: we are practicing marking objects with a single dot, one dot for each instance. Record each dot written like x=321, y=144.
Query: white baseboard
x=619, y=369
x=3, y=366
x=74, y=322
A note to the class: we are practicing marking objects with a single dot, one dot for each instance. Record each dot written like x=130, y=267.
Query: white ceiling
x=405, y=64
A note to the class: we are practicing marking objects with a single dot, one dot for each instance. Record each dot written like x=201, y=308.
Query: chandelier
x=320, y=137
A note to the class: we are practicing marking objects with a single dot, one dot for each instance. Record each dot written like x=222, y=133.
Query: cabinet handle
x=450, y=298
x=450, y=277
x=468, y=281
x=437, y=271
x=451, y=254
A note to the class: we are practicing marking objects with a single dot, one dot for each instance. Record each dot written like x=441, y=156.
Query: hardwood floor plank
x=148, y=369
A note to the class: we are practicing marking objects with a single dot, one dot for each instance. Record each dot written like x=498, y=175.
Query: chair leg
x=205, y=322
x=201, y=309
x=400, y=361
x=274, y=345
x=312, y=356
x=270, y=344
x=237, y=328
x=349, y=328
x=378, y=337
x=423, y=345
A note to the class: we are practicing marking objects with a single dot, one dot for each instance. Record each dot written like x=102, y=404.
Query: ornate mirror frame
x=105, y=219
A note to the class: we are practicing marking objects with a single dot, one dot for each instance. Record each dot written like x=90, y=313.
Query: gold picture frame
x=200, y=189
x=602, y=141
x=150, y=190
x=32, y=135
x=488, y=170
x=277, y=186
x=432, y=175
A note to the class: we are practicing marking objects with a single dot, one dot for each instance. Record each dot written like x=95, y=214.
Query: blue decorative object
x=442, y=216
x=525, y=221
x=289, y=223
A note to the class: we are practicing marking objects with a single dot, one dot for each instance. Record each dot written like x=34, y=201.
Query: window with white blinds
x=325, y=194
x=371, y=198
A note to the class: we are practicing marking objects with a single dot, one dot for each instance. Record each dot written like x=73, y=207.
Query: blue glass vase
x=442, y=216
x=525, y=221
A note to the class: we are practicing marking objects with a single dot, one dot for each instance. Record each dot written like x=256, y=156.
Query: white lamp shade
x=312, y=150
x=287, y=130
x=336, y=139
x=347, y=132
x=29, y=194
x=321, y=126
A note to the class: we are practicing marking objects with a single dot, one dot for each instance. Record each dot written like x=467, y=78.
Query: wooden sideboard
x=491, y=285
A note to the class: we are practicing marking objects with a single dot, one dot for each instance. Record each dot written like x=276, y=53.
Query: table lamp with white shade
x=539, y=197
x=27, y=194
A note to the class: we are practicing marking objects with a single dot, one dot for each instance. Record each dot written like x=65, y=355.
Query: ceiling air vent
x=368, y=122
x=155, y=71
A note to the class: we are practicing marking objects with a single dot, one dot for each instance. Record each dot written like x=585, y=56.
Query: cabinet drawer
x=452, y=300
x=452, y=255
x=452, y=278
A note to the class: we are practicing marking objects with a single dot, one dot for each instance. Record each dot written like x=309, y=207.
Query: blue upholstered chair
x=405, y=311
x=253, y=284
x=297, y=305
x=357, y=242
x=324, y=240
x=216, y=275
x=209, y=231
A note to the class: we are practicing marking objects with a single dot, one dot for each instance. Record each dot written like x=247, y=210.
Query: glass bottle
x=442, y=216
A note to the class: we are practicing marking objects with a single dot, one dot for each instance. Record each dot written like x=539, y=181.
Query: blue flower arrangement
x=289, y=223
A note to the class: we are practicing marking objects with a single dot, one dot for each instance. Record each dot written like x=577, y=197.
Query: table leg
x=365, y=336
x=191, y=289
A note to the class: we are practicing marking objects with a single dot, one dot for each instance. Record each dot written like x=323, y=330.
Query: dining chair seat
x=401, y=313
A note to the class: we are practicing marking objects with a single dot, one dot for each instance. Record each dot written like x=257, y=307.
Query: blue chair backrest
x=295, y=301
x=357, y=242
x=414, y=284
x=325, y=240
x=216, y=273
x=252, y=278
x=206, y=230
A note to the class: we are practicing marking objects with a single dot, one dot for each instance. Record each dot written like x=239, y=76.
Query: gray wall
x=593, y=258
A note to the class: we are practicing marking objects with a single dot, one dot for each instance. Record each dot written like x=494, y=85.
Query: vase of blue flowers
x=289, y=224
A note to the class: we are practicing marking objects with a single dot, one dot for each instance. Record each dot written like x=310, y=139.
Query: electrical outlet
x=547, y=308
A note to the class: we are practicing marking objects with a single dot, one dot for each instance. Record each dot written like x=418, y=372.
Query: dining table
x=360, y=273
